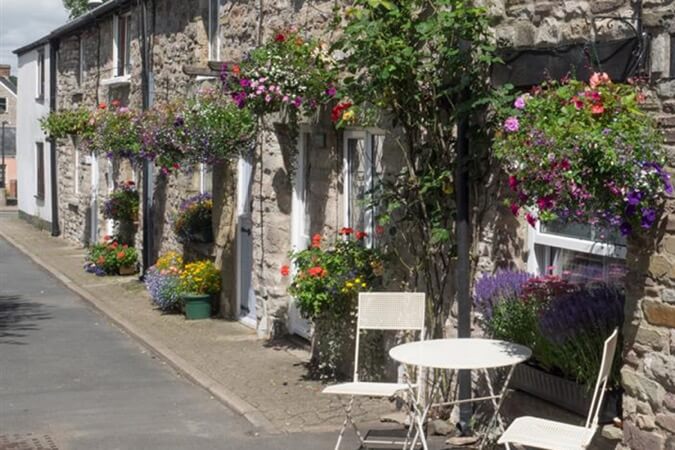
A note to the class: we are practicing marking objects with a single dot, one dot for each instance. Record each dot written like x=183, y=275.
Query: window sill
x=117, y=81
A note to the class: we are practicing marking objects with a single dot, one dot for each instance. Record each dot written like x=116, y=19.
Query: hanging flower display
x=288, y=74
x=117, y=132
x=584, y=152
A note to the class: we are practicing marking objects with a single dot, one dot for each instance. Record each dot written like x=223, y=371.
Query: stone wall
x=648, y=374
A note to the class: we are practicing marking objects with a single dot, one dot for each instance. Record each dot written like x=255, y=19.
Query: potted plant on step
x=199, y=282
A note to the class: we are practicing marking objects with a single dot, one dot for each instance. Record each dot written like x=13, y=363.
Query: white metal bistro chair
x=379, y=311
x=548, y=434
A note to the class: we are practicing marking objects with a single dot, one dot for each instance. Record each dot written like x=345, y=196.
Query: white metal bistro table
x=458, y=354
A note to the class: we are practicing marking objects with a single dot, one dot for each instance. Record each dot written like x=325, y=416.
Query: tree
x=76, y=7
x=403, y=59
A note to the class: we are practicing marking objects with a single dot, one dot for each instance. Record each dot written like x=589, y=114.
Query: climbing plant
x=409, y=64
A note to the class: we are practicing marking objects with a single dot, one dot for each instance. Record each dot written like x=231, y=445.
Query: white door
x=245, y=294
x=300, y=231
x=93, y=202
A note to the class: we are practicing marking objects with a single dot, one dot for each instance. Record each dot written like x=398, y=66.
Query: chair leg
x=348, y=419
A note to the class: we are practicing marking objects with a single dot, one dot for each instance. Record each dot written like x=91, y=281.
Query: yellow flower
x=357, y=281
x=349, y=284
x=363, y=285
x=348, y=116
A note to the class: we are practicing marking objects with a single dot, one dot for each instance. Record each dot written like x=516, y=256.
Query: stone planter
x=127, y=270
x=564, y=393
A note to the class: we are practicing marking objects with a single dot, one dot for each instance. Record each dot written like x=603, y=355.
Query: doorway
x=245, y=295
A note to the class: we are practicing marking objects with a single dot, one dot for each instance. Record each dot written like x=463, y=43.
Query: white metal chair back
x=605, y=370
x=388, y=311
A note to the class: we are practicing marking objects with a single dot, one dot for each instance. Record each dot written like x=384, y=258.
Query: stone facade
x=648, y=374
x=179, y=38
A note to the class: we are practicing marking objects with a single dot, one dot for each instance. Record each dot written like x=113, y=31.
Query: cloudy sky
x=23, y=21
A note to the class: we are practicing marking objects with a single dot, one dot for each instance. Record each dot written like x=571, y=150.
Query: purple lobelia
x=491, y=289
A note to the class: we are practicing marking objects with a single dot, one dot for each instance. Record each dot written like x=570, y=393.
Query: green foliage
x=123, y=203
x=200, y=277
x=76, y=7
x=194, y=220
x=419, y=65
x=105, y=258
x=584, y=153
x=216, y=129
x=330, y=279
x=117, y=132
x=68, y=122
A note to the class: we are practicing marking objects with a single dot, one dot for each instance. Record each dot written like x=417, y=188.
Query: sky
x=24, y=21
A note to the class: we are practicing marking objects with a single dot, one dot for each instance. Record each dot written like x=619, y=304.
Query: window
x=40, y=76
x=122, y=45
x=40, y=169
x=214, y=41
x=362, y=166
x=205, y=178
x=581, y=251
x=80, y=62
x=3, y=105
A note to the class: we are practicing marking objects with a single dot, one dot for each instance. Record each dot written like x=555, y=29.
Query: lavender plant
x=577, y=324
x=502, y=285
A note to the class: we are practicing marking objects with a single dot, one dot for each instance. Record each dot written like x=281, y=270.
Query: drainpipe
x=56, y=229
x=147, y=167
x=463, y=236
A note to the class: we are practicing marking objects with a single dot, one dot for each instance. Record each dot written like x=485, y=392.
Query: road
x=70, y=380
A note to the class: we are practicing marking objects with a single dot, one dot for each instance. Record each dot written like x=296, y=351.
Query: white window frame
x=541, y=245
x=368, y=135
x=80, y=65
x=76, y=172
x=125, y=72
x=40, y=75
x=213, y=30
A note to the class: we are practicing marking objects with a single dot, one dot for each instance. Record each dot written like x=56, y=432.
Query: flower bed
x=584, y=152
x=565, y=324
x=109, y=257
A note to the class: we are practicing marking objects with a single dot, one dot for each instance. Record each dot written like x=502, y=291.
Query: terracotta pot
x=127, y=270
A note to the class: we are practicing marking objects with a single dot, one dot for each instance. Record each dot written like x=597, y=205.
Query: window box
x=123, y=80
x=564, y=393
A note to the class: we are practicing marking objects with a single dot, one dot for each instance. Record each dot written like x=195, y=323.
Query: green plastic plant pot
x=197, y=306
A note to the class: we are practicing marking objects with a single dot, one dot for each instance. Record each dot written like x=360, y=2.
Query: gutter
x=56, y=229
x=81, y=21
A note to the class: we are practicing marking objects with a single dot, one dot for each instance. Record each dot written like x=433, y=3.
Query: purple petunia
x=634, y=198
x=519, y=103
x=648, y=217
x=511, y=125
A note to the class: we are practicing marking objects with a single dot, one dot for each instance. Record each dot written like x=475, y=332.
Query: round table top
x=456, y=354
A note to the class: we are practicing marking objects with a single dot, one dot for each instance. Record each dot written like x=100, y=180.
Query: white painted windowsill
x=117, y=81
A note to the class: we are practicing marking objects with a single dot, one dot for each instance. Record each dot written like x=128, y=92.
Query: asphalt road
x=70, y=380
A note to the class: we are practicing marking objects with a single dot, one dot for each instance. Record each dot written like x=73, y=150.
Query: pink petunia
x=511, y=125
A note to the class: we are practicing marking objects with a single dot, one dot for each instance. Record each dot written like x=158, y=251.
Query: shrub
x=328, y=280
x=200, y=277
x=564, y=324
x=123, y=203
x=194, y=220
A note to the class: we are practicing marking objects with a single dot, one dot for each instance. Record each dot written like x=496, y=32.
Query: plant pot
x=564, y=393
x=127, y=270
x=197, y=306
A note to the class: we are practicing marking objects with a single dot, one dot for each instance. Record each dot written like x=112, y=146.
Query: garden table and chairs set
x=423, y=361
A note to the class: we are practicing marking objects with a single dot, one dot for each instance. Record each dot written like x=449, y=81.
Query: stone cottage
x=263, y=213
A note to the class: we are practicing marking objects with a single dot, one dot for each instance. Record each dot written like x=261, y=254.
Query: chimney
x=93, y=4
x=5, y=70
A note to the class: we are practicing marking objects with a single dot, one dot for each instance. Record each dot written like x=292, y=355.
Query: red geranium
x=360, y=235
x=346, y=231
x=316, y=271
x=336, y=112
x=285, y=270
x=279, y=38
x=102, y=105
x=379, y=229
x=316, y=241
